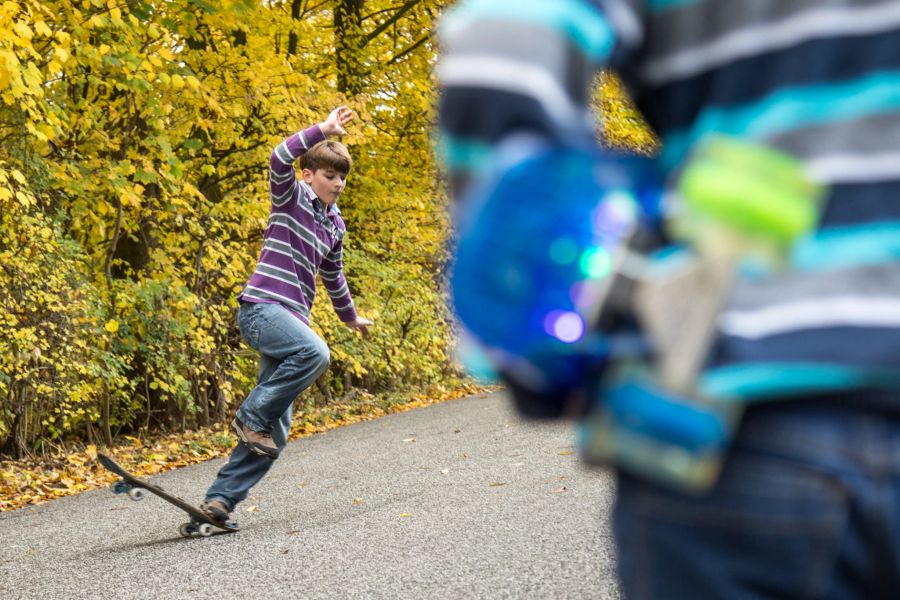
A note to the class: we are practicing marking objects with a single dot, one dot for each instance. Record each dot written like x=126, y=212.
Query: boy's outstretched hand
x=361, y=324
x=334, y=124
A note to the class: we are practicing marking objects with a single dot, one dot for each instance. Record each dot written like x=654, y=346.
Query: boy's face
x=327, y=184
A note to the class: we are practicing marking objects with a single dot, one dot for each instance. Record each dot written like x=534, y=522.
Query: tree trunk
x=13, y=445
x=293, y=38
x=105, y=417
x=349, y=42
x=323, y=389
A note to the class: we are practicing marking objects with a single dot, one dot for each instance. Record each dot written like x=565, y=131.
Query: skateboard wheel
x=186, y=530
x=120, y=487
x=206, y=529
x=136, y=494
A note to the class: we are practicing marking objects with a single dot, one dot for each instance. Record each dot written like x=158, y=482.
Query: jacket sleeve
x=510, y=66
x=282, y=176
x=332, y=273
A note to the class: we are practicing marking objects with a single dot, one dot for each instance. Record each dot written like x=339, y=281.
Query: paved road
x=457, y=500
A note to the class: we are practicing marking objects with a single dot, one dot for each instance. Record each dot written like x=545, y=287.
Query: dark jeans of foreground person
x=808, y=507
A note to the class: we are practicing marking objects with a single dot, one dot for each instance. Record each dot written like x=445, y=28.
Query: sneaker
x=216, y=510
x=258, y=442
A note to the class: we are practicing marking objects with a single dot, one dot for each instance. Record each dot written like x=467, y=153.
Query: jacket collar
x=317, y=204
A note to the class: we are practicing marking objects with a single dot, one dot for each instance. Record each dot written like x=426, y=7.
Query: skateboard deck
x=200, y=522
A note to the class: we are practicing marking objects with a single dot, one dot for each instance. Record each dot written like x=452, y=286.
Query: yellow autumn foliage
x=133, y=197
x=622, y=125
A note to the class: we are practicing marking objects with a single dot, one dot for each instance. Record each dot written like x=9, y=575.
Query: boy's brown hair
x=327, y=154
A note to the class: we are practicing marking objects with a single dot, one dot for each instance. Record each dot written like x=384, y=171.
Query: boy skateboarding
x=303, y=237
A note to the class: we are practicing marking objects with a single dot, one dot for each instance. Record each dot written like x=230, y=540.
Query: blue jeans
x=291, y=358
x=808, y=506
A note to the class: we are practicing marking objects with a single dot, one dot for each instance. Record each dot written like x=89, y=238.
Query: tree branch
x=393, y=19
x=410, y=49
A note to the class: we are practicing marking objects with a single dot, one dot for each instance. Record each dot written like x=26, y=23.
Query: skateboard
x=135, y=487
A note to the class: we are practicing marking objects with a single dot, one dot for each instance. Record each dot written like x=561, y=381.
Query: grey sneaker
x=258, y=442
x=216, y=510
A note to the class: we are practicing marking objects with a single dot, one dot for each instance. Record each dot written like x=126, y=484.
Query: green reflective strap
x=752, y=189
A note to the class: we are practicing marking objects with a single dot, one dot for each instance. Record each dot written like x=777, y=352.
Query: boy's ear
x=307, y=175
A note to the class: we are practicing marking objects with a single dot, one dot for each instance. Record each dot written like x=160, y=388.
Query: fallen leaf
x=444, y=471
x=457, y=430
x=357, y=501
x=567, y=453
x=250, y=509
x=497, y=483
x=409, y=440
x=404, y=515
x=559, y=490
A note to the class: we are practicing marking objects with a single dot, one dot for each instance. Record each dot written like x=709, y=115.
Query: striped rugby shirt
x=300, y=240
x=819, y=79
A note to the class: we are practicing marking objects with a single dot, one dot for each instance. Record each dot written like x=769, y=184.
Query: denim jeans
x=808, y=506
x=291, y=358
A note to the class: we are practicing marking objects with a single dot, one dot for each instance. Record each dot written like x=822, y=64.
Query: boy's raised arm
x=282, y=176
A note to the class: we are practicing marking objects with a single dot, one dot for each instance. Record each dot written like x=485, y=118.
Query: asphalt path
x=457, y=500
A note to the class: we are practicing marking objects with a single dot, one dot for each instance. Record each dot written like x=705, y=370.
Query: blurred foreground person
x=724, y=319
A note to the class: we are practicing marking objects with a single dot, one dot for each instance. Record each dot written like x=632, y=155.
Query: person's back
x=820, y=80
x=807, y=504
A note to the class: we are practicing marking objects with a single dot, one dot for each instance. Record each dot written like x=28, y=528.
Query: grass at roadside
x=28, y=482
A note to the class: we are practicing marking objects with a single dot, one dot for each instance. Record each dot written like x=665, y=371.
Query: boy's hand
x=334, y=124
x=360, y=324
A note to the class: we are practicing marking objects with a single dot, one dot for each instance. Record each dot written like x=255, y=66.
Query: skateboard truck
x=123, y=487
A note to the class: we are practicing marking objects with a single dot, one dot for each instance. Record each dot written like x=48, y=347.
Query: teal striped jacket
x=819, y=79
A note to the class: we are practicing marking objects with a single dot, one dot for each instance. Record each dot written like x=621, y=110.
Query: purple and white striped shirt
x=300, y=240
